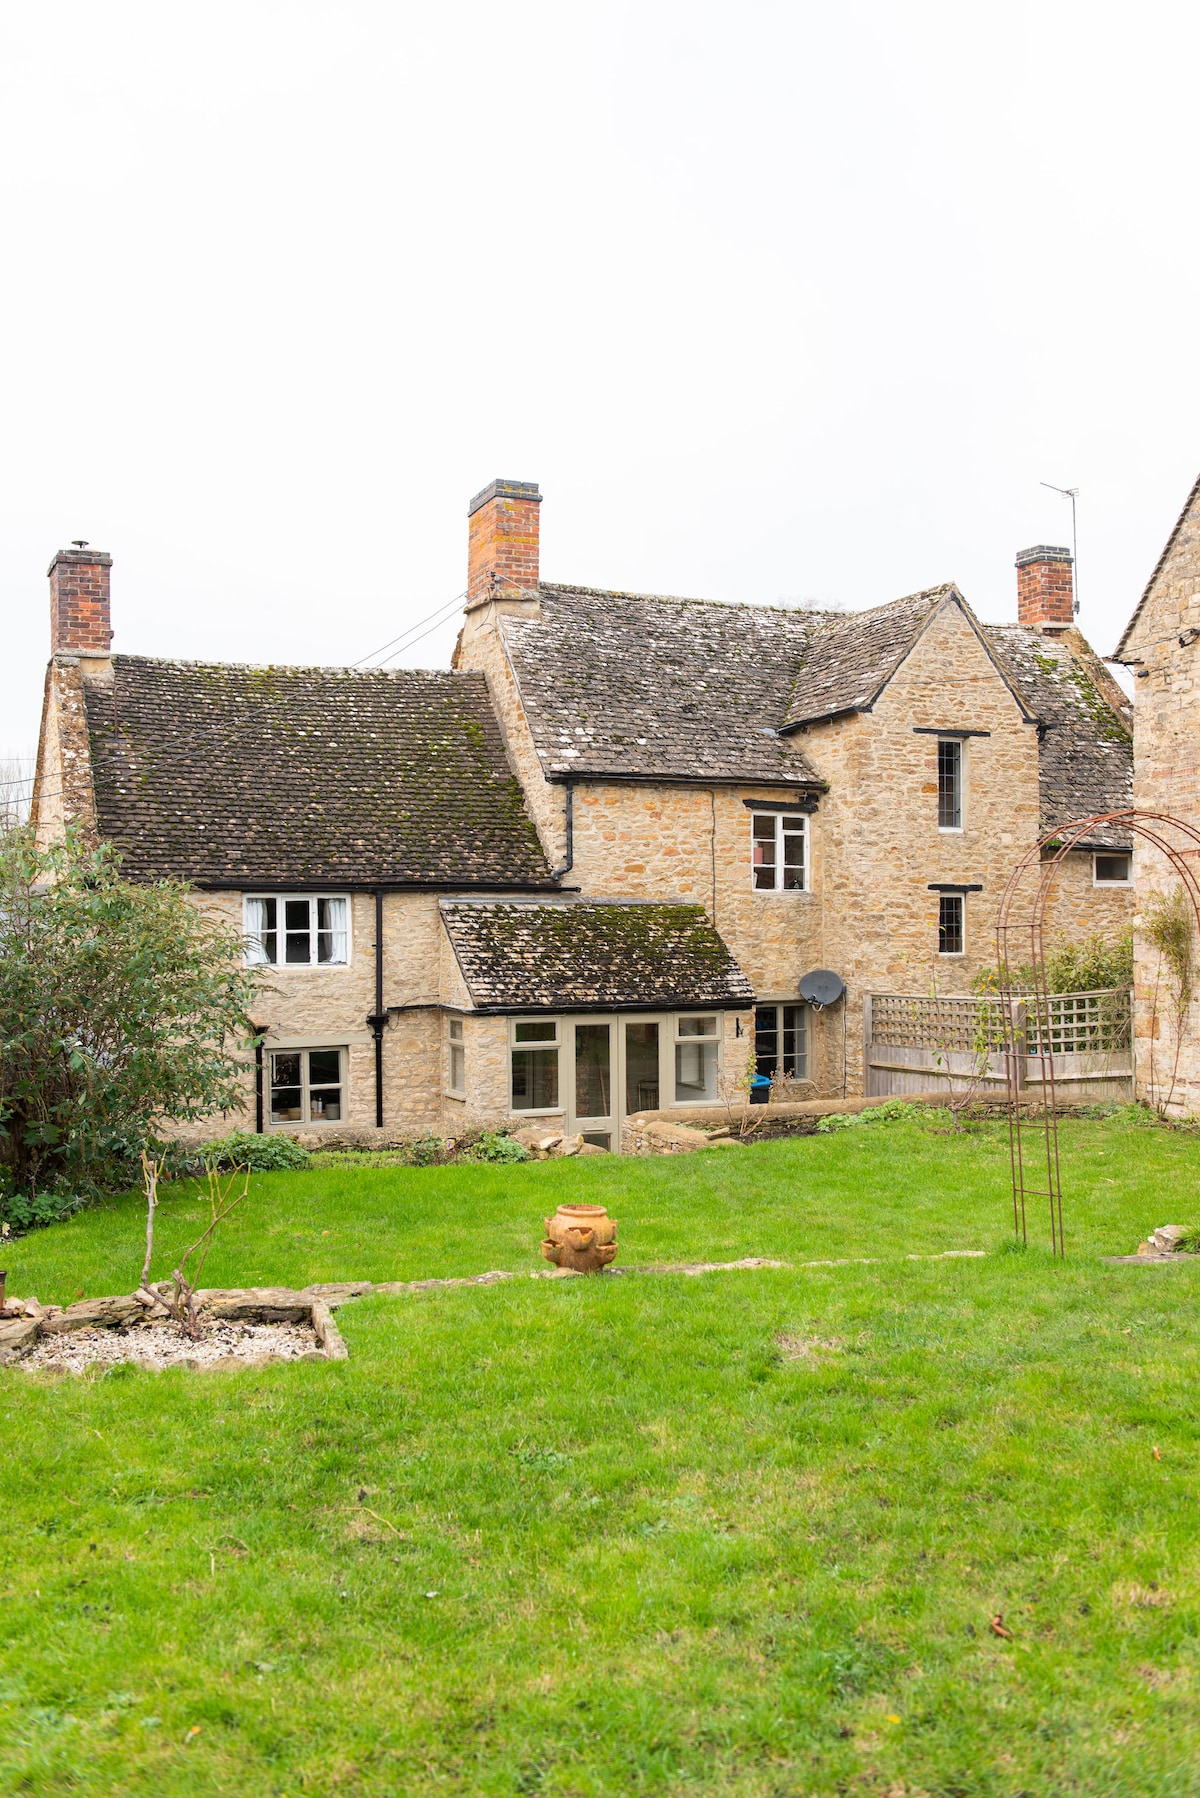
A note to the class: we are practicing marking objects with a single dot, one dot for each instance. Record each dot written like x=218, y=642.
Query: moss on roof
x=572, y=955
x=227, y=775
x=1085, y=761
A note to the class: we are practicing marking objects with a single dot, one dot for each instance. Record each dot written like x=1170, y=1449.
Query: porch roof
x=590, y=955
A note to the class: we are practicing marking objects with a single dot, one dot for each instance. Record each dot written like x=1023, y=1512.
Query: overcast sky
x=777, y=302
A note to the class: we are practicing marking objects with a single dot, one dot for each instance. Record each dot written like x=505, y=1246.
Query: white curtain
x=331, y=918
x=256, y=925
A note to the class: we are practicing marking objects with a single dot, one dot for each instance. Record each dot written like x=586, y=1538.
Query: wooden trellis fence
x=916, y=1043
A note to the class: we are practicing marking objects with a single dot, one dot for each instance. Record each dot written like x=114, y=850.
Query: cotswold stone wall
x=479, y=646
x=64, y=792
x=874, y=843
x=328, y=1007
x=882, y=845
x=875, y=846
x=1078, y=908
x=694, y=844
x=1166, y=761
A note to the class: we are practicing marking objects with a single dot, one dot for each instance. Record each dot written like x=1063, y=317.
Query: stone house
x=580, y=874
x=1160, y=644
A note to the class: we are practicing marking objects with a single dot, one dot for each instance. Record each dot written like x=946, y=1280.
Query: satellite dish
x=822, y=987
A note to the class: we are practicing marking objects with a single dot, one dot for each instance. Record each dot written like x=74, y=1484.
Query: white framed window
x=458, y=1057
x=296, y=930
x=779, y=852
x=697, y=1059
x=306, y=1086
x=951, y=938
x=781, y=1041
x=533, y=1058
x=950, y=783
x=594, y=1069
x=1112, y=869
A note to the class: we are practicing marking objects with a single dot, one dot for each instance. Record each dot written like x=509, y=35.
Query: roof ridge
x=287, y=667
x=683, y=599
x=927, y=593
x=831, y=615
x=861, y=687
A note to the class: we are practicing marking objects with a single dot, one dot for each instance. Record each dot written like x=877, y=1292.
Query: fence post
x=1020, y=1048
x=867, y=1026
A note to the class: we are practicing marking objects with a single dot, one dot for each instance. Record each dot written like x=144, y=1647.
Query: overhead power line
x=409, y=636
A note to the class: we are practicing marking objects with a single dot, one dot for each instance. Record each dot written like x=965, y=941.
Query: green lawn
x=637, y=1544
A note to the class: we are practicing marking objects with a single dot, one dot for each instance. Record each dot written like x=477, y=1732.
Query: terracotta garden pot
x=582, y=1237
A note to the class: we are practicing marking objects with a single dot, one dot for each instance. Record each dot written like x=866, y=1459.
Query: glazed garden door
x=592, y=1108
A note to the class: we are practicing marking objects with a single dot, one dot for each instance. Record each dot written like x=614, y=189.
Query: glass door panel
x=593, y=1070
x=641, y=1065
x=593, y=1108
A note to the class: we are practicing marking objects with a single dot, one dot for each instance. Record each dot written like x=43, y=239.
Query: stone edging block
x=255, y=1304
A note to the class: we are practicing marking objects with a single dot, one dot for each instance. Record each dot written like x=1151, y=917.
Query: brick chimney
x=1045, y=588
x=502, y=545
x=79, y=602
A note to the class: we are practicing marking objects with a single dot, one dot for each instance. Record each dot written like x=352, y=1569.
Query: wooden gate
x=913, y=1043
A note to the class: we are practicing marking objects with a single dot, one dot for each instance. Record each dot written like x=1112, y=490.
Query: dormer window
x=296, y=930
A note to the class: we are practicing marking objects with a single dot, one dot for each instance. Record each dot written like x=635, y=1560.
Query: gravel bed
x=161, y=1345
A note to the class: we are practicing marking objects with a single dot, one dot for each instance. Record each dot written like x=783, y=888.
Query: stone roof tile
x=634, y=685
x=849, y=660
x=591, y=955
x=227, y=775
x=641, y=686
x=1086, y=755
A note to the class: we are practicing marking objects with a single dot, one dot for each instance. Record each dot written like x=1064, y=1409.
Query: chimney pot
x=79, y=601
x=502, y=542
x=1045, y=587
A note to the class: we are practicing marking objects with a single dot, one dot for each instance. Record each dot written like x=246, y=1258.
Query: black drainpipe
x=378, y=1018
x=258, y=1086
x=570, y=861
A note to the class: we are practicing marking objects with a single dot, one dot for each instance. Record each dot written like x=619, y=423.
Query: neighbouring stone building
x=1162, y=645
x=581, y=873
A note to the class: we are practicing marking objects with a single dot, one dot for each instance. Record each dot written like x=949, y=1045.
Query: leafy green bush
x=427, y=1151
x=260, y=1154
x=122, y=1004
x=419, y=1151
x=22, y=1214
x=895, y=1111
x=1090, y=966
x=493, y=1145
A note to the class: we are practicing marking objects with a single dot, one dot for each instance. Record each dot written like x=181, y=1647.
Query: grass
x=741, y=1534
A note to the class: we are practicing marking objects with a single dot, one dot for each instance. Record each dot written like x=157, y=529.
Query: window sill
x=449, y=1092
x=294, y=1124
x=951, y=830
x=300, y=967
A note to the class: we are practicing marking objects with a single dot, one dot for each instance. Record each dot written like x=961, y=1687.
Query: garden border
x=317, y=1302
